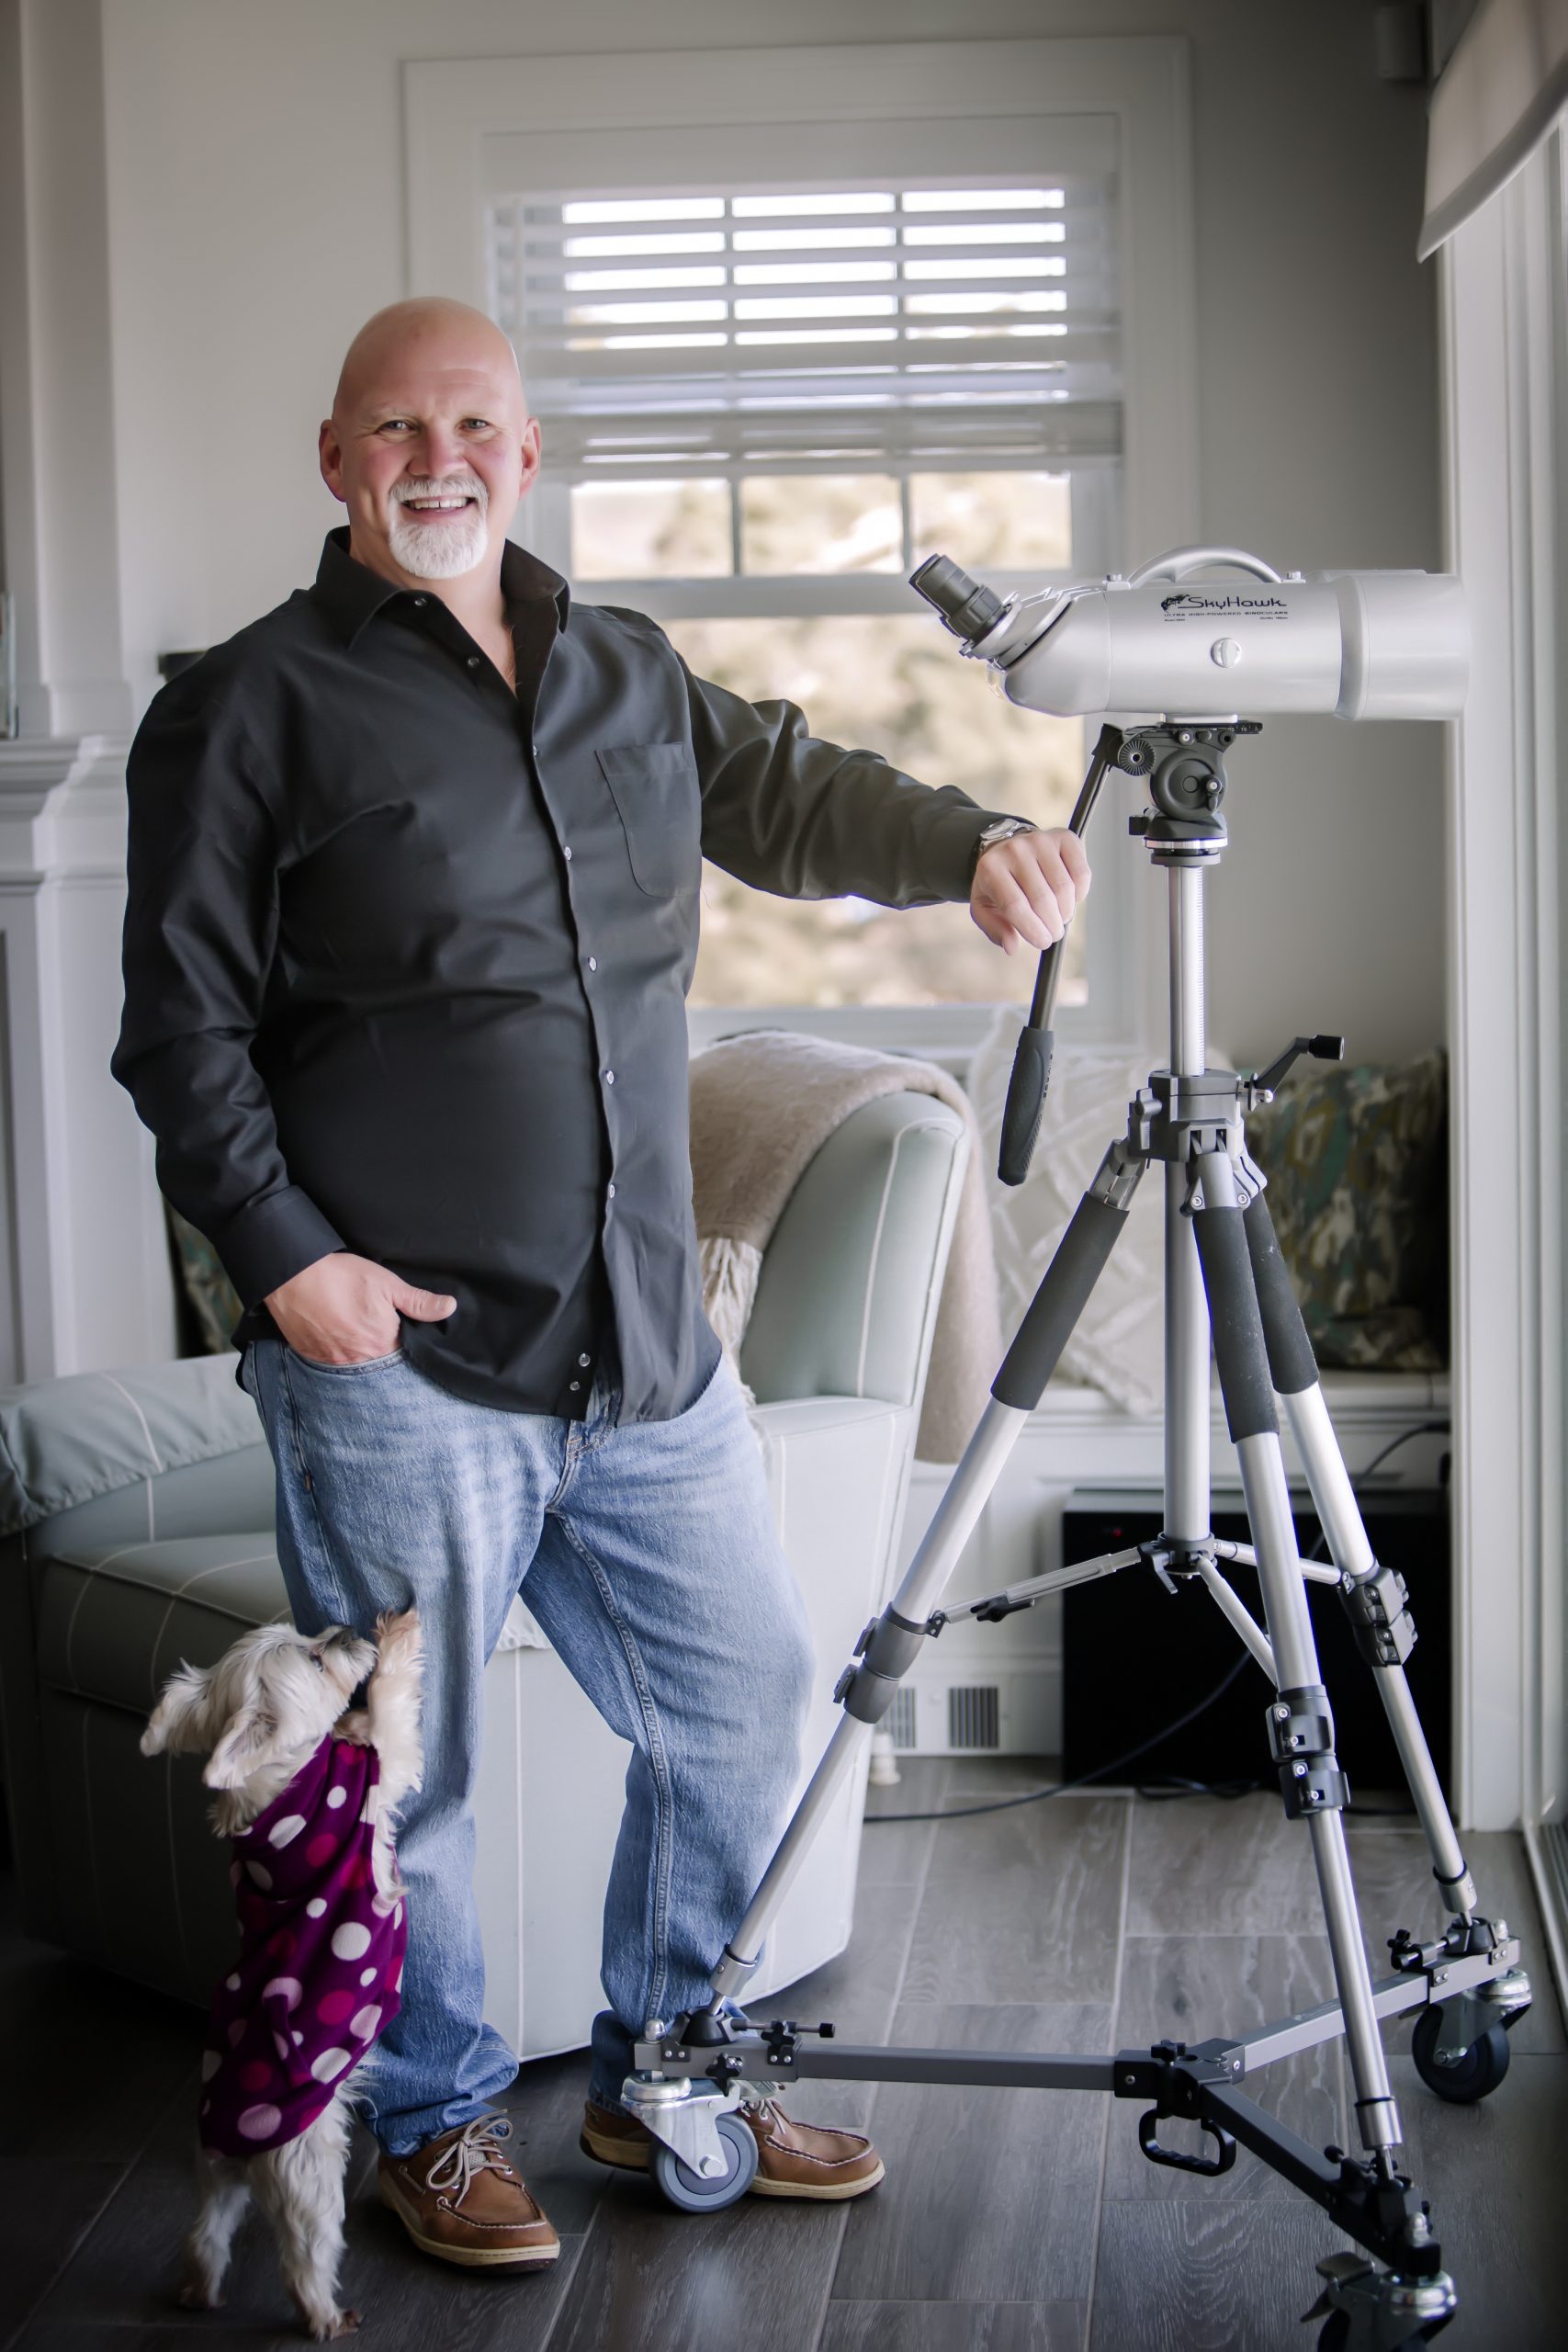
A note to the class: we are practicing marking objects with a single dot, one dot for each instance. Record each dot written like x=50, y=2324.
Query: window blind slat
x=908, y=439
x=720, y=365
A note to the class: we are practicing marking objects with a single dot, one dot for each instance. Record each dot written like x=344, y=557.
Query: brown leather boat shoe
x=792, y=2159
x=459, y=2199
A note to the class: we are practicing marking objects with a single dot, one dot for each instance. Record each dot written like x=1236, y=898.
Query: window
x=760, y=408
x=1109, y=121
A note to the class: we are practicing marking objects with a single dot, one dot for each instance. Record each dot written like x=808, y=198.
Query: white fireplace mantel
x=62, y=808
x=85, y=1273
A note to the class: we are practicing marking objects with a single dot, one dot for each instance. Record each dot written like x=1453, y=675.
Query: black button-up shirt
x=406, y=956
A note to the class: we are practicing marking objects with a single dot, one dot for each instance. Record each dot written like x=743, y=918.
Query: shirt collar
x=350, y=594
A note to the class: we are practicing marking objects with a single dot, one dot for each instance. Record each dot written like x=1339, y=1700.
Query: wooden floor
x=1009, y=2221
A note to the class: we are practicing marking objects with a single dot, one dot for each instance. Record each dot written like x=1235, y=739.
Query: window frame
x=472, y=125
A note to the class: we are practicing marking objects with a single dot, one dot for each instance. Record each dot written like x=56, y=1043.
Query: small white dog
x=307, y=1787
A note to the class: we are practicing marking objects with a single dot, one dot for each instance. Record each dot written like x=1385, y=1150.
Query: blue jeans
x=648, y=1554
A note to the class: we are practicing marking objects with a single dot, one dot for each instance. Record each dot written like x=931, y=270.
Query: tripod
x=1225, y=1285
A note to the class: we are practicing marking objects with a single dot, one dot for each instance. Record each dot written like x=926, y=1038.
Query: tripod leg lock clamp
x=1300, y=1724
x=1379, y=1609
x=886, y=1652
x=1301, y=1740
x=1319, y=1787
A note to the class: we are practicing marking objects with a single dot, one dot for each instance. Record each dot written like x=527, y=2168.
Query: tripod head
x=1185, y=766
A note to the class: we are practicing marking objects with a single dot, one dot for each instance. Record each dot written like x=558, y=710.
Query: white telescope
x=1358, y=644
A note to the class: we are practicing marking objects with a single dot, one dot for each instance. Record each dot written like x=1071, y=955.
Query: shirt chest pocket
x=655, y=789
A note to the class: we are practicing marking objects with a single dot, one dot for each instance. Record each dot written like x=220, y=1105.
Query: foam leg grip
x=1069, y=1278
x=1239, y=1352
x=1292, y=1363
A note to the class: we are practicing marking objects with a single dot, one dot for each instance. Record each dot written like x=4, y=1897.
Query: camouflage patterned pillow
x=214, y=1301
x=1357, y=1161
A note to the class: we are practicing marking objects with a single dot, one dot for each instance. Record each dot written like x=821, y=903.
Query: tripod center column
x=1187, y=1449
x=1189, y=1045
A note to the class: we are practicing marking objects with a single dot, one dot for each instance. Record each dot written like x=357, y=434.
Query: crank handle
x=1264, y=1083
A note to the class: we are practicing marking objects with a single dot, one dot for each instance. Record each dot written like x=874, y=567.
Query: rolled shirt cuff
x=271, y=1239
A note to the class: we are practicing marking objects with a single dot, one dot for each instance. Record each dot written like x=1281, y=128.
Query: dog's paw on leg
x=194, y=2294
x=399, y=1642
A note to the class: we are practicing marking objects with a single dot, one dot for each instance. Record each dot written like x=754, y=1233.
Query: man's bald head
x=430, y=445
x=428, y=329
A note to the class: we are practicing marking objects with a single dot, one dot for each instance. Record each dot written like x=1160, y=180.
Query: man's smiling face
x=429, y=445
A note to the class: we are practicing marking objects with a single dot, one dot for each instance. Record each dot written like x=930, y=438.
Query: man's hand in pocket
x=344, y=1309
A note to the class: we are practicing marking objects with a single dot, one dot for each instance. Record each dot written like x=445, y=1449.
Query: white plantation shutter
x=910, y=326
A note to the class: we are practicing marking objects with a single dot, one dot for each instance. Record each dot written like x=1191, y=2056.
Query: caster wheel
x=691, y=2191
x=1477, y=2072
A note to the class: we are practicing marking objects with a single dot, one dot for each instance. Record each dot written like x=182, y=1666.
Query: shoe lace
x=476, y=2149
x=763, y=2102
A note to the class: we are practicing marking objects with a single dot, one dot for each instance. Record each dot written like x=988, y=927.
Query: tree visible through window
x=897, y=686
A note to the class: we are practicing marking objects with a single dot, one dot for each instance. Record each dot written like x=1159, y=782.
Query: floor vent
x=899, y=1720
x=974, y=1716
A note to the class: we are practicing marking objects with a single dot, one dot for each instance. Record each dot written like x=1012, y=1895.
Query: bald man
x=412, y=909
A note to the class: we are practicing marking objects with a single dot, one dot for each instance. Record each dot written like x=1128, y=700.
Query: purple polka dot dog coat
x=321, y=1966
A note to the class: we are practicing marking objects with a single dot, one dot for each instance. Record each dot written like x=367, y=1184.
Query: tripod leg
x=890, y=1645
x=1375, y=1597
x=1300, y=1727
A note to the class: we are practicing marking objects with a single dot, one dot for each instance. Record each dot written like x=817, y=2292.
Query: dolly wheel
x=1476, y=2073
x=694, y=2194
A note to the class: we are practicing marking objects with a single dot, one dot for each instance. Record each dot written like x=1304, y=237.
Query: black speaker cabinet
x=1135, y=1656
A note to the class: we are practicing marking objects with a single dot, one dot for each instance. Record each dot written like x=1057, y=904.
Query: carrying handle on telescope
x=1032, y=1056
x=1176, y=562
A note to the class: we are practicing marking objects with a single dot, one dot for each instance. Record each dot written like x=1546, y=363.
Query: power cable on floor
x=1060, y=1788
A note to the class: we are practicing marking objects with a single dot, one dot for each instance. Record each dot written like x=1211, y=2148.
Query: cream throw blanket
x=763, y=1105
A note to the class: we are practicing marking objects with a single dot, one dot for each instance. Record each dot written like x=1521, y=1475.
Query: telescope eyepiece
x=967, y=607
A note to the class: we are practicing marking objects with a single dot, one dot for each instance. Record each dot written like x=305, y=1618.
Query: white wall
x=256, y=216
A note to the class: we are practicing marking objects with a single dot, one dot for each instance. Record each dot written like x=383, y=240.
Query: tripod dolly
x=1226, y=1288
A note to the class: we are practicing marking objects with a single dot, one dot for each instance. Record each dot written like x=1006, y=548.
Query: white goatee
x=438, y=548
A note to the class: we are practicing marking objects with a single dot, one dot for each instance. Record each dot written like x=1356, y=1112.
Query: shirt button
x=566, y=853
x=574, y=1386
x=420, y=603
x=609, y=1078
x=473, y=661
x=610, y=1192
x=594, y=963
x=585, y=1361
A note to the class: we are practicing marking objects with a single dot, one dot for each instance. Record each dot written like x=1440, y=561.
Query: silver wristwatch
x=1001, y=829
